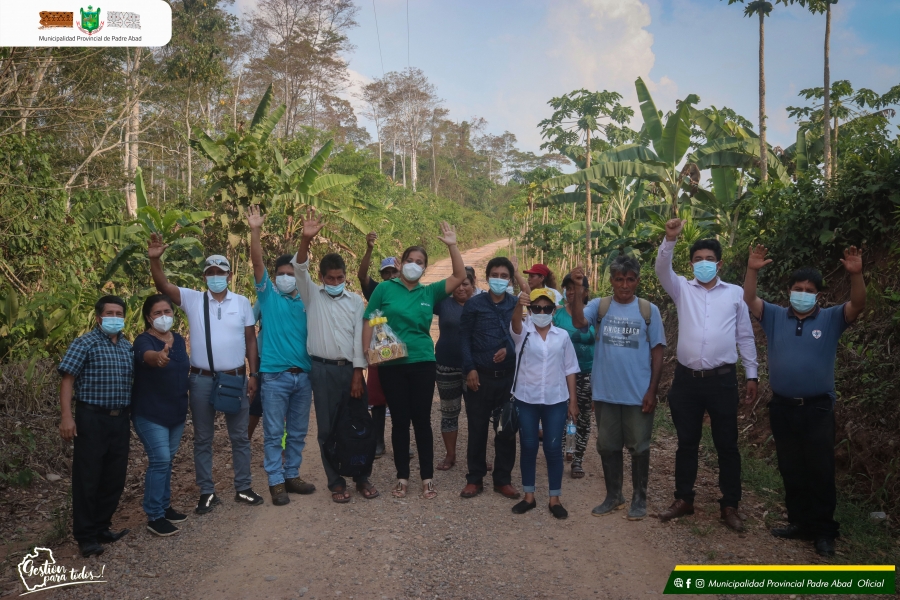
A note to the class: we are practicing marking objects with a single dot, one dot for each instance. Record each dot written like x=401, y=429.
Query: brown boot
x=279, y=496
x=679, y=508
x=731, y=519
x=296, y=485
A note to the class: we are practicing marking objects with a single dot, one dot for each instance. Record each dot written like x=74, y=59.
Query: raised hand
x=162, y=358
x=852, y=260
x=255, y=218
x=673, y=229
x=524, y=299
x=448, y=234
x=515, y=263
x=758, y=258
x=577, y=275
x=371, y=238
x=313, y=224
x=156, y=247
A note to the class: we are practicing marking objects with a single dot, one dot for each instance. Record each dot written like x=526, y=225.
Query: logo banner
x=781, y=579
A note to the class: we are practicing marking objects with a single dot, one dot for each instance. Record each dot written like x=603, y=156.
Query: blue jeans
x=161, y=443
x=288, y=399
x=552, y=417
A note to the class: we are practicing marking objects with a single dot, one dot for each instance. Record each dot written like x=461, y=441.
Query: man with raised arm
x=335, y=347
x=284, y=369
x=802, y=343
x=713, y=324
x=233, y=339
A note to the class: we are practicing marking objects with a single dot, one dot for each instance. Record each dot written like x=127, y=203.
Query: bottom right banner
x=782, y=579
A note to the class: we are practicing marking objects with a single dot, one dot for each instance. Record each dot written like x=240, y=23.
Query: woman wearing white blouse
x=544, y=387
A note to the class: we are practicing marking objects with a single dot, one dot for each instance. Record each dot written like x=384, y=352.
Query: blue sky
x=502, y=60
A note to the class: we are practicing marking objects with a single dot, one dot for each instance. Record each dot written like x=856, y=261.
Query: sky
x=503, y=60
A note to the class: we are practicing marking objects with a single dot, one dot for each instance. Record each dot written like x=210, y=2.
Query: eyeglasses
x=542, y=308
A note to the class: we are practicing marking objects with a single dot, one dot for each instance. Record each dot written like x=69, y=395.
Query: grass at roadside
x=864, y=541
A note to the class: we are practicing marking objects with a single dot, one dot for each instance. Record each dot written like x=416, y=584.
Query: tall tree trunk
x=187, y=124
x=434, y=178
x=403, y=164
x=413, y=167
x=394, y=161
x=587, y=224
x=380, y=163
x=132, y=130
x=826, y=107
x=834, y=148
x=763, y=150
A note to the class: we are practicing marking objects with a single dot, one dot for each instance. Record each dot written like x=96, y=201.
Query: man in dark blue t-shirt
x=802, y=345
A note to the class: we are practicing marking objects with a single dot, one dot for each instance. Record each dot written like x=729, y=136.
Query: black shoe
x=108, y=537
x=558, y=511
x=523, y=507
x=173, y=516
x=825, y=546
x=279, y=495
x=89, y=549
x=162, y=527
x=248, y=496
x=206, y=503
x=791, y=532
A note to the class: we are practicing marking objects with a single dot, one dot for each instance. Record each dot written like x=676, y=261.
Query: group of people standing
x=556, y=356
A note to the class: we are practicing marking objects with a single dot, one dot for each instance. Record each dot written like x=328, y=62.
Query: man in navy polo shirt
x=802, y=348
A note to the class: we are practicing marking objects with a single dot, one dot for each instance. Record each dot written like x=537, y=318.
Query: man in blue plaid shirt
x=97, y=372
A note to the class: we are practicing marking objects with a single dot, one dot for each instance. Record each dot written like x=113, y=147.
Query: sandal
x=400, y=490
x=340, y=495
x=446, y=464
x=577, y=470
x=367, y=490
x=428, y=490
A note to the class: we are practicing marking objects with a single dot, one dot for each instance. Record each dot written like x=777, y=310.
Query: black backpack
x=350, y=448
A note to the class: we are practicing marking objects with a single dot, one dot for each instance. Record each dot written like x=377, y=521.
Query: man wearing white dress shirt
x=713, y=324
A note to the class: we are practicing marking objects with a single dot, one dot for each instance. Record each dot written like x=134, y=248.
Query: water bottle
x=570, y=436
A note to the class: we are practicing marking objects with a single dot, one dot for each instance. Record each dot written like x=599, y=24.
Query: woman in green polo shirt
x=408, y=382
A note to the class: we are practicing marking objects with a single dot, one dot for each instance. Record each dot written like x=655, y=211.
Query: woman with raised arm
x=408, y=382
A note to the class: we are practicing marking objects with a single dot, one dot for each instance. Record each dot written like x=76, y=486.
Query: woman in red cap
x=540, y=276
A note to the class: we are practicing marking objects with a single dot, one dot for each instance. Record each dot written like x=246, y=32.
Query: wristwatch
x=756, y=379
x=254, y=375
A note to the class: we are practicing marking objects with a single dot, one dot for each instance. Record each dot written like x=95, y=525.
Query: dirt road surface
x=416, y=548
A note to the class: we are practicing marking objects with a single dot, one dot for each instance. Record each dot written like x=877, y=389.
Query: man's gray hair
x=624, y=264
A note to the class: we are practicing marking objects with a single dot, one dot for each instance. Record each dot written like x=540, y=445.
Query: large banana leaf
x=725, y=184
x=649, y=112
x=139, y=190
x=263, y=108
x=628, y=168
x=265, y=127
x=114, y=234
x=207, y=146
x=87, y=218
x=737, y=154
x=801, y=158
x=324, y=182
x=119, y=260
x=676, y=137
x=315, y=166
x=628, y=152
x=715, y=129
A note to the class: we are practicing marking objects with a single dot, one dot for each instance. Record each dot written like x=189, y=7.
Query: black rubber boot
x=612, y=473
x=640, y=474
x=378, y=417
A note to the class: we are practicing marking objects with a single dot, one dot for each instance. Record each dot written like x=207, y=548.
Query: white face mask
x=412, y=272
x=286, y=284
x=541, y=320
x=163, y=323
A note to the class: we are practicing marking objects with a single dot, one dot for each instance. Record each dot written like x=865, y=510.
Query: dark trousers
x=689, y=398
x=804, y=442
x=409, y=390
x=492, y=392
x=99, y=466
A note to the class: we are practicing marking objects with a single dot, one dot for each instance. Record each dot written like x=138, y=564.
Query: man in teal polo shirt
x=802, y=343
x=284, y=369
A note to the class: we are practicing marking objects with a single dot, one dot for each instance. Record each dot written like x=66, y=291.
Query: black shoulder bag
x=506, y=417
x=350, y=447
x=228, y=390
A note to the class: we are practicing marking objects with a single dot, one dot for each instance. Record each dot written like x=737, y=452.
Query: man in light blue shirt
x=284, y=369
x=628, y=355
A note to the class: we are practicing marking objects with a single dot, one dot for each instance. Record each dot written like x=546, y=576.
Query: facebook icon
x=688, y=582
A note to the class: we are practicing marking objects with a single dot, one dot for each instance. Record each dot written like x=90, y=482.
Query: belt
x=496, y=374
x=327, y=361
x=294, y=370
x=113, y=412
x=205, y=373
x=717, y=372
x=787, y=401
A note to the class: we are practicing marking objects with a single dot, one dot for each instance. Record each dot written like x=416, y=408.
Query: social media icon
x=688, y=583
x=699, y=583
x=678, y=582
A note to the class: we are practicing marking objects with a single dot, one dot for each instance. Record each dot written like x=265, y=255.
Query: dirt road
x=416, y=548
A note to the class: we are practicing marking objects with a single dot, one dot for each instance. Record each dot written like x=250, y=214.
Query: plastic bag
x=385, y=344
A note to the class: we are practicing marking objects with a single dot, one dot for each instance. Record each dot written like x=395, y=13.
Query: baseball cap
x=217, y=260
x=538, y=269
x=388, y=263
x=542, y=293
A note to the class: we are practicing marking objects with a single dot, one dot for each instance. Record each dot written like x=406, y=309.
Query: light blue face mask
x=803, y=302
x=216, y=283
x=498, y=286
x=334, y=290
x=112, y=325
x=705, y=271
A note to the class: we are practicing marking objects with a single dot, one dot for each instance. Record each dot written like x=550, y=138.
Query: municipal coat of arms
x=90, y=21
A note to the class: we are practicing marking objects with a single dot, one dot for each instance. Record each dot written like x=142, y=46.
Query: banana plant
x=177, y=228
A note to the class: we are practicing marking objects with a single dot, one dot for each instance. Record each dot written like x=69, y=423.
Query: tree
x=762, y=9
x=576, y=115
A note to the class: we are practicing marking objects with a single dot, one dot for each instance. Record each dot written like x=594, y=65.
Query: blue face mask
x=803, y=302
x=334, y=290
x=217, y=283
x=705, y=271
x=498, y=286
x=112, y=325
